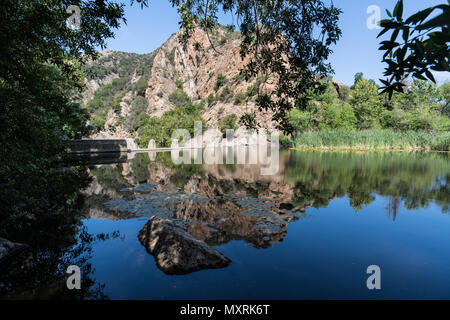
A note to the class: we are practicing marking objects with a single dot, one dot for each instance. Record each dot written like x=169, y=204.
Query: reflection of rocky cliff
x=97, y=193
x=305, y=179
x=215, y=204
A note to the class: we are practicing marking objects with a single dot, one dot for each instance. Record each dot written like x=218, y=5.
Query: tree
x=358, y=76
x=366, y=104
x=228, y=123
x=288, y=40
x=40, y=60
x=444, y=98
x=423, y=48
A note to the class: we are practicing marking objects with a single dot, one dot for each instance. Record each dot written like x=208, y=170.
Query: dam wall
x=100, y=145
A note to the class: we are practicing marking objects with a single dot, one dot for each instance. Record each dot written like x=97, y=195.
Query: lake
x=308, y=232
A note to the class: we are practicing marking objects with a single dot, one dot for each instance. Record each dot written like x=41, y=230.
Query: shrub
x=285, y=142
x=337, y=117
x=239, y=98
x=221, y=80
x=141, y=86
x=171, y=56
x=210, y=100
x=179, y=98
x=225, y=95
x=366, y=104
x=98, y=120
x=160, y=129
x=229, y=122
x=138, y=109
x=301, y=120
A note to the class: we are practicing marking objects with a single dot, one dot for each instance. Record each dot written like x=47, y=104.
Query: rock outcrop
x=143, y=84
x=176, y=251
x=195, y=71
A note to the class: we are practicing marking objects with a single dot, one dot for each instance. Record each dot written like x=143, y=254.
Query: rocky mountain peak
x=124, y=87
x=206, y=68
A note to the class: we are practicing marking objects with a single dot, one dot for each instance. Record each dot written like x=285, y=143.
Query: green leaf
x=419, y=16
x=419, y=76
x=398, y=10
x=439, y=21
x=430, y=76
x=383, y=32
x=406, y=34
x=395, y=34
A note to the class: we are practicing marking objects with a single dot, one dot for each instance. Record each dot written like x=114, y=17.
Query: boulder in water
x=175, y=250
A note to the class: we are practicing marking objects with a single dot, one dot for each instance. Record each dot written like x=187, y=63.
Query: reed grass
x=373, y=139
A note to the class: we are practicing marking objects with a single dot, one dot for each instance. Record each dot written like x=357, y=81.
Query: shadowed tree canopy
x=423, y=46
x=287, y=40
x=39, y=74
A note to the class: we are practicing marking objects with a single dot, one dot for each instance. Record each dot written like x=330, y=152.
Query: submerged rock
x=9, y=249
x=175, y=250
x=144, y=188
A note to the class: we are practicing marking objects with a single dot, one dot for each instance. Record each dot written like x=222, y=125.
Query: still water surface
x=308, y=232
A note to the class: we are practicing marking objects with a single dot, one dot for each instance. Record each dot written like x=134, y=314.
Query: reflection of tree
x=56, y=239
x=216, y=221
x=392, y=207
x=40, y=272
x=416, y=178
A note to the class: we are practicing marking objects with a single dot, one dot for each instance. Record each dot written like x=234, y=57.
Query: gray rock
x=9, y=249
x=175, y=250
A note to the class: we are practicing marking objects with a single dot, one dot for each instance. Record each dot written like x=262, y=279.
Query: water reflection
x=218, y=203
x=416, y=179
x=40, y=271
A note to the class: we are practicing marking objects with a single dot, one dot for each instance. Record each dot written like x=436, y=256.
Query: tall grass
x=373, y=139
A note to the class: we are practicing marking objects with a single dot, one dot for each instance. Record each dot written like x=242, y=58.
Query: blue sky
x=357, y=51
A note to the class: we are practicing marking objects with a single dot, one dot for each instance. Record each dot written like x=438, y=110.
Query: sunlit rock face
x=192, y=67
x=175, y=250
x=197, y=71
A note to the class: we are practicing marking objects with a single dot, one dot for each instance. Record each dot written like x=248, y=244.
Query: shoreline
x=350, y=149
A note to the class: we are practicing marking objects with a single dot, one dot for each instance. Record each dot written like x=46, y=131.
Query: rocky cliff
x=122, y=87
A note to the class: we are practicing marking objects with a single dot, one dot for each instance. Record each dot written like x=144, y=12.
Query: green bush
x=337, y=117
x=160, y=129
x=367, y=104
x=179, y=98
x=171, y=56
x=285, y=142
x=141, y=86
x=138, y=109
x=221, y=80
x=229, y=122
x=225, y=95
x=240, y=98
x=210, y=100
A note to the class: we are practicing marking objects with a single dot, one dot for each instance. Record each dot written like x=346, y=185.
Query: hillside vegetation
x=148, y=96
x=358, y=117
x=128, y=74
